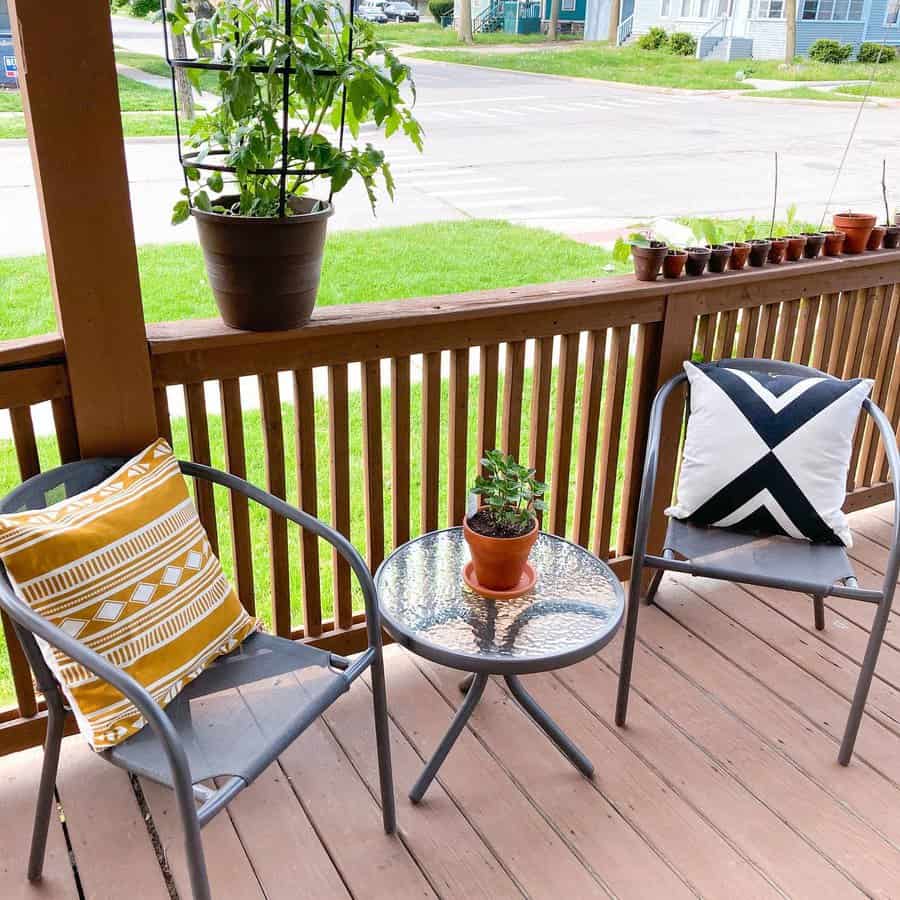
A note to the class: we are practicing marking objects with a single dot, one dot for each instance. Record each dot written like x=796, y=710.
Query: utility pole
x=553, y=27
x=615, y=14
x=464, y=21
x=790, y=30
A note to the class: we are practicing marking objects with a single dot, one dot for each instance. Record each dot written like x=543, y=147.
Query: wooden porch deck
x=725, y=783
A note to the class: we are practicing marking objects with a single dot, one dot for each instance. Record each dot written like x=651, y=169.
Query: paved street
x=573, y=156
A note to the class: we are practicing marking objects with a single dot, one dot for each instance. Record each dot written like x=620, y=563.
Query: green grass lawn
x=632, y=65
x=430, y=34
x=804, y=93
x=156, y=65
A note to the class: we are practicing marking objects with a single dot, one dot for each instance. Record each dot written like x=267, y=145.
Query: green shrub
x=655, y=39
x=870, y=52
x=826, y=50
x=440, y=8
x=682, y=44
x=144, y=7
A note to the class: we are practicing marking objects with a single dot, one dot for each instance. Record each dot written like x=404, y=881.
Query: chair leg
x=819, y=612
x=46, y=800
x=654, y=586
x=634, y=602
x=865, y=679
x=383, y=745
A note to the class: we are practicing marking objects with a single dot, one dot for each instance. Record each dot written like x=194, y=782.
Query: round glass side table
x=573, y=611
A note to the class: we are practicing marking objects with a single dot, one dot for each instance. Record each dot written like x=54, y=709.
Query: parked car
x=372, y=12
x=401, y=12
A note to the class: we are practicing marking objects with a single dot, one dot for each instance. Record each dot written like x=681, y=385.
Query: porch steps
x=726, y=49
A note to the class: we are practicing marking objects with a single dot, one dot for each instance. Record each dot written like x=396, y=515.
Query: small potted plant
x=858, y=228
x=648, y=255
x=502, y=531
x=759, y=252
x=719, y=254
x=697, y=259
x=777, y=249
x=815, y=241
x=252, y=159
x=673, y=263
x=740, y=250
x=891, y=237
x=834, y=242
x=795, y=245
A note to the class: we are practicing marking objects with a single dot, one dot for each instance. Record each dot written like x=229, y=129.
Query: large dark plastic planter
x=264, y=273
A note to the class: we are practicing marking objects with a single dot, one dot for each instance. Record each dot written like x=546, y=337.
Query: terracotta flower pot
x=795, y=245
x=648, y=260
x=264, y=273
x=499, y=562
x=875, y=238
x=719, y=254
x=815, y=241
x=673, y=264
x=740, y=250
x=857, y=227
x=834, y=243
x=777, y=250
x=697, y=259
x=759, y=252
x=891, y=237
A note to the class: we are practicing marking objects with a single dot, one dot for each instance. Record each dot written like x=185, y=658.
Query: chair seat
x=261, y=695
x=755, y=558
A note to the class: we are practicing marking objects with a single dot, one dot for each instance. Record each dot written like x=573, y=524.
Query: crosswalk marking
x=487, y=192
x=531, y=199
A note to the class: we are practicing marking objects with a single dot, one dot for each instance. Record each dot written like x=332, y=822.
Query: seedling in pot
x=674, y=262
x=648, y=254
x=891, y=237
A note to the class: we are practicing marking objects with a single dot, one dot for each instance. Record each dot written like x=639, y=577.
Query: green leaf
x=214, y=182
x=192, y=173
x=202, y=201
x=180, y=212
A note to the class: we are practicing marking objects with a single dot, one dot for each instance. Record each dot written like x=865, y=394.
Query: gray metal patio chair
x=230, y=723
x=819, y=570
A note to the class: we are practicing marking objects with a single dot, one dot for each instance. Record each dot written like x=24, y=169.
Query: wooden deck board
x=724, y=782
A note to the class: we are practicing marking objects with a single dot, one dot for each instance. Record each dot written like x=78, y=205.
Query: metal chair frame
x=848, y=589
x=29, y=625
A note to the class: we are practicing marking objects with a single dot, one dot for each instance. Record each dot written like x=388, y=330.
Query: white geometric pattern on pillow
x=768, y=453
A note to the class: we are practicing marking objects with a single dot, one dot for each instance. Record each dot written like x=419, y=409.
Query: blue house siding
x=567, y=15
x=846, y=32
x=876, y=30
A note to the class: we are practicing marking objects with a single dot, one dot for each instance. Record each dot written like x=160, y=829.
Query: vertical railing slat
x=540, y=406
x=824, y=331
x=588, y=438
x=431, y=439
x=513, y=383
x=457, y=455
x=806, y=331
x=66, y=431
x=163, y=420
x=373, y=463
x=198, y=439
x=563, y=431
x=488, y=368
x=400, y=456
x=339, y=448
x=273, y=441
x=853, y=349
x=308, y=495
x=747, y=331
x=238, y=505
x=24, y=441
x=19, y=669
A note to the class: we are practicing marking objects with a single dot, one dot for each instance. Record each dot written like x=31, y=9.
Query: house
x=737, y=29
x=527, y=16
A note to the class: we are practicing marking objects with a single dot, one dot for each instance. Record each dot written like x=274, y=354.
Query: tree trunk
x=464, y=22
x=615, y=13
x=182, y=84
x=553, y=27
x=790, y=30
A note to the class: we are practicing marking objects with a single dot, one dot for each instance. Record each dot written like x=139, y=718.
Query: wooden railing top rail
x=205, y=348
x=32, y=351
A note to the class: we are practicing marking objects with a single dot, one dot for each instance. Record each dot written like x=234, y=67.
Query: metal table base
x=473, y=686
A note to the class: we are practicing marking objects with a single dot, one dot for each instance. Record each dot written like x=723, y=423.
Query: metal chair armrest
x=311, y=523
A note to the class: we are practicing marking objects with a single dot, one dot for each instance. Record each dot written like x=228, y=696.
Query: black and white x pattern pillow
x=768, y=453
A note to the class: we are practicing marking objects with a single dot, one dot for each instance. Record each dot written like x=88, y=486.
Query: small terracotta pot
x=499, y=562
x=857, y=227
x=740, y=250
x=795, y=245
x=815, y=241
x=648, y=260
x=777, y=250
x=697, y=259
x=719, y=254
x=673, y=264
x=875, y=238
x=759, y=252
x=834, y=243
x=891, y=237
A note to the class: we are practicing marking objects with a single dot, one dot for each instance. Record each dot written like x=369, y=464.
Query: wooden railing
x=374, y=417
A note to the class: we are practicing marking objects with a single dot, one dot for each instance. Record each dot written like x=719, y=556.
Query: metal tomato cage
x=188, y=160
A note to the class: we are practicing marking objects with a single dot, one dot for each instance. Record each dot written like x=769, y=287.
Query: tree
x=790, y=30
x=464, y=22
x=553, y=27
x=182, y=83
x=615, y=14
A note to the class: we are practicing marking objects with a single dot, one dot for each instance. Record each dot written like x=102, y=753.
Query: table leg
x=466, y=683
x=456, y=726
x=549, y=727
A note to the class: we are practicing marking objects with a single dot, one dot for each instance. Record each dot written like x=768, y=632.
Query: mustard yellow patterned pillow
x=127, y=570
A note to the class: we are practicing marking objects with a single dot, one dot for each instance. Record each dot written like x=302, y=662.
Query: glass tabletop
x=572, y=611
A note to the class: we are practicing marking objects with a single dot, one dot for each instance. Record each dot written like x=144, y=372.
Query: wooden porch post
x=70, y=96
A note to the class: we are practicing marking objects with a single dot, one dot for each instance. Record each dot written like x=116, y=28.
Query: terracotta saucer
x=526, y=583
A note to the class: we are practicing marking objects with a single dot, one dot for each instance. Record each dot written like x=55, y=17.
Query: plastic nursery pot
x=857, y=227
x=648, y=260
x=794, y=249
x=719, y=254
x=875, y=238
x=777, y=250
x=499, y=561
x=759, y=252
x=673, y=263
x=740, y=250
x=815, y=241
x=834, y=243
x=697, y=258
x=891, y=237
x=264, y=273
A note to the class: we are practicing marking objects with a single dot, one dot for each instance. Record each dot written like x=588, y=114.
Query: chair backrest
x=773, y=366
